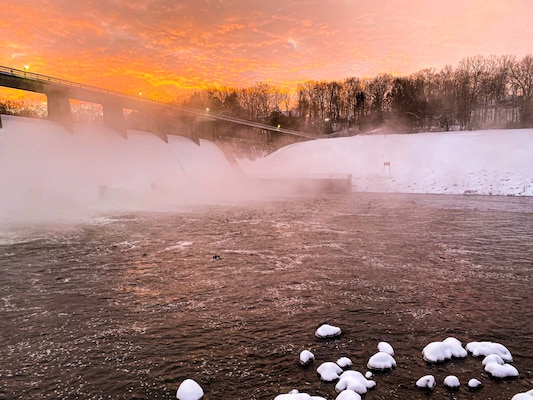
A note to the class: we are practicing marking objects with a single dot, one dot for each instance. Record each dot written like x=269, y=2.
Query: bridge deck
x=30, y=81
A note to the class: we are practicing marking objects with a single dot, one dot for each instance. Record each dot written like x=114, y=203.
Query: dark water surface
x=127, y=307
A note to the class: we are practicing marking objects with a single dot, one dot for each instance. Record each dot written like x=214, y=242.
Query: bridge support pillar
x=58, y=105
x=114, y=118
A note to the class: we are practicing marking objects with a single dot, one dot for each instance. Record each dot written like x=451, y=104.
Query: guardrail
x=49, y=79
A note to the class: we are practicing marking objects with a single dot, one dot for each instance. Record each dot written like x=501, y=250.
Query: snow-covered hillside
x=498, y=162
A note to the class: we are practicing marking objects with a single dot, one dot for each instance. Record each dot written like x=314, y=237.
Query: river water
x=128, y=306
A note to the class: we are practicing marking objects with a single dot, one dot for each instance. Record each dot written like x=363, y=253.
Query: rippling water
x=128, y=306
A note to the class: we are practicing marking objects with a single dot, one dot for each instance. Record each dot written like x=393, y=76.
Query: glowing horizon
x=163, y=48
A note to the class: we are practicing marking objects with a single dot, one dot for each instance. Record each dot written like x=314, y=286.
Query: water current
x=128, y=306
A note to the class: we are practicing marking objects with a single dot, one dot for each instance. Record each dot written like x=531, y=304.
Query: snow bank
x=494, y=162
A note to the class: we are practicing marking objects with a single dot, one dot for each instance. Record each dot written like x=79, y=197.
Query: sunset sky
x=160, y=47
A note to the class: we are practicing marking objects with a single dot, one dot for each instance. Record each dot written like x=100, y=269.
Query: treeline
x=479, y=93
x=22, y=108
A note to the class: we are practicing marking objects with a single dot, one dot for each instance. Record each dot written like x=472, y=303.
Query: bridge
x=236, y=137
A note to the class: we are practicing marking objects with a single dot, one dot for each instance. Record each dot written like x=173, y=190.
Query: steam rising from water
x=48, y=174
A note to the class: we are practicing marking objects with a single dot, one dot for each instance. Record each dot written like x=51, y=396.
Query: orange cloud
x=160, y=47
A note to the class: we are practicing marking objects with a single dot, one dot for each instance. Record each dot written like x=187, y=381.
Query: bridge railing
x=203, y=113
x=50, y=79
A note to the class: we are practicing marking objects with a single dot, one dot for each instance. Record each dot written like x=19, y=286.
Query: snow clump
x=493, y=358
x=474, y=383
x=501, y=371
x=426, y=382
x=485, y=348
x=354, y=380
x=381, y=361
x=452, y=382
x=445, y=350
x=329, y=371
x=306, y=357
x=385, y=348
x=348, y=395
x=296, y=395
x=524, y=396
x=189, y=390
x=327, y=331
x=344, y=362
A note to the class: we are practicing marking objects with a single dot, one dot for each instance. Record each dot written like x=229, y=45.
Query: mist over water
x=48, y=174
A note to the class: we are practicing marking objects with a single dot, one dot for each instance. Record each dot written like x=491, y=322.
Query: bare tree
x=522, y=79
x=495, y=91
x=378, y=89
x=471, y=79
